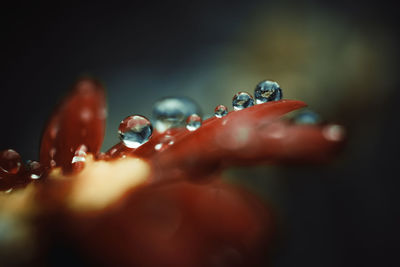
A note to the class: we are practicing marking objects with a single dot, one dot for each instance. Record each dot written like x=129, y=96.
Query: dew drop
x=35, y=169
x=193, y=122
x=267, y=91
x=80, y=154
x=220, y=111
x=135, y=130
x=242, y=100
x=171, y=112
x=165, y=141
x=10, y=161
x=307, y=118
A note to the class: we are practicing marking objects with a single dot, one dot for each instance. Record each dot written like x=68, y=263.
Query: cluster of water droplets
x=172, y=112
x=13, y=173
x=178, y=112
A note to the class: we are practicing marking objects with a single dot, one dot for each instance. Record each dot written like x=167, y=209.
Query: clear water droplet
x=267, y=91
x=35, y=169
x=193, y=122
x=171, y=112
x=165, y=141
x=135, y=130
x=307, y=118
x=220, y=111
x=10, y=161
x=242, y=100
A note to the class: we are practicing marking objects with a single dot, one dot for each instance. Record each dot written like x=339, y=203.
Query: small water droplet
x=35, y=169
x=165, y=142
x=267, y=91
x=78, y=159
x=80, y=154
x=242, y=100
x=171, y=112
x=307, y=118
x=193, y=122
x=220, y=111
x=10, y=161
x=135, y=130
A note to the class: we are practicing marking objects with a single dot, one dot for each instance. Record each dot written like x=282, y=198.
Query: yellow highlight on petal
x=101, y=183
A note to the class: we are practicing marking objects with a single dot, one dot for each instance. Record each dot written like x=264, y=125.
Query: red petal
x=178, y=224
x=79, y=120
x=251, y=136
x=221, y=141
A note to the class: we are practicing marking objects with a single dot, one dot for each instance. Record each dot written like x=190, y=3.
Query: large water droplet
x=135, y=130
x=307, y=117
x=267, y=91
x=171, y=112
x=242, y=100
x=220, y=111
x=193, y=122
x=165, y=141
x=10, y=161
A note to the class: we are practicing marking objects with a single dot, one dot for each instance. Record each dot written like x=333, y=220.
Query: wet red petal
x=251, y=136
x=222, y=141
x=80, y=119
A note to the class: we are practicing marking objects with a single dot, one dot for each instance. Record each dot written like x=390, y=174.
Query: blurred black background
x=339, y=56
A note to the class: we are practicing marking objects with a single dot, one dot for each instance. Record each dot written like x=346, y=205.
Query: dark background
x=340, y=57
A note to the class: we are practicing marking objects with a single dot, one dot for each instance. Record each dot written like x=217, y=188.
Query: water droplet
x=10, y=161
x=193, y=122
x=220, y=111
x=267, y=91
x=80, y=154
x=307, y=118
x=171, y=112
x=135, y=130
x=242, y=100
x=165, y=142
x=35, y=169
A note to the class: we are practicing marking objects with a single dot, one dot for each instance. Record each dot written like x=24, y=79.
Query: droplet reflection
x=242, y=100
x=193, y=122
x=135, y=130
x=267, y=91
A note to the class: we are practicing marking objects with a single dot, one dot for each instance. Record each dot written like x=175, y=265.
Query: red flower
x=150, y=206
